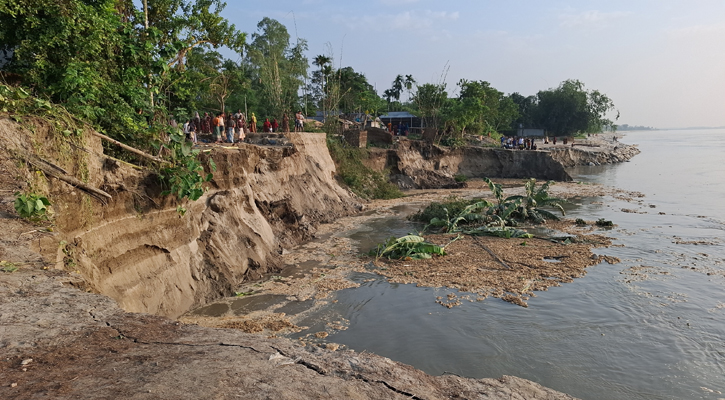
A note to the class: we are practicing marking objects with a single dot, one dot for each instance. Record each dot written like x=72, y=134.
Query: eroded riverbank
x=477, y=267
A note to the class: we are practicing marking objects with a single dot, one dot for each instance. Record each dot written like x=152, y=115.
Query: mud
x=60, y=338
x=530, y=264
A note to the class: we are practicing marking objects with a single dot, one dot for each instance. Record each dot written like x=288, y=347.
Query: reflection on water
x=650, y=327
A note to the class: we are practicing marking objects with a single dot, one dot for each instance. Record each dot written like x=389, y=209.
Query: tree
x=526, y=107
x=278, y=67
x=356, y=93
x=480, y=108
x=429, y=100
x=320, y=80
x=395, y=90
x=569, y=109
x=101, y=59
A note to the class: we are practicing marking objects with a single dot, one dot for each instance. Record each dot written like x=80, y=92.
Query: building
x=402, y=117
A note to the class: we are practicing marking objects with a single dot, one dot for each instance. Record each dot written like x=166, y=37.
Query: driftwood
x=495, y=257
x=59, y=173
x=131, y=149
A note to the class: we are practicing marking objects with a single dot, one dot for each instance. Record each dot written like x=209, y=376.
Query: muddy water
x=651, y=327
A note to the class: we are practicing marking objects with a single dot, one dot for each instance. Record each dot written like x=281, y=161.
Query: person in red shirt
x=275, y=125
x=267, y=125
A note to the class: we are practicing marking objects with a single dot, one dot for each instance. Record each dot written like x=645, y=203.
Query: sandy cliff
x=141, y=252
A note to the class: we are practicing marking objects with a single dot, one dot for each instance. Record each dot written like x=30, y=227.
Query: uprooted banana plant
x=409, y=247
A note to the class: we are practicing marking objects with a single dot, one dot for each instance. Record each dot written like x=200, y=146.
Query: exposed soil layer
x=59, y=340
x=420, y=165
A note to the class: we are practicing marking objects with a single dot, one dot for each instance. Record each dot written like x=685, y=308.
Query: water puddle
x=212, y=310
x=248, y=304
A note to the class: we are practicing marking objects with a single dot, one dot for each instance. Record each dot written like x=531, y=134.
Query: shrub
x=31, y=206
x=362, y=180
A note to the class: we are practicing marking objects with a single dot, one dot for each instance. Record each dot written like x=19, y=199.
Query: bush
x=31, y=206
x=454, y=205
x=460, y=178
x=362, y=180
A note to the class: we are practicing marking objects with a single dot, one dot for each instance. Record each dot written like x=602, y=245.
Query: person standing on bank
x=275, y=125
x=267, y=126
x=253, y=123
x=285, y=123
x=231, y=124
x=299, y=124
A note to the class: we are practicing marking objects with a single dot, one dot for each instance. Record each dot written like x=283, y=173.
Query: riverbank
x=62, y=341
x=63, y=337
x=480, y=267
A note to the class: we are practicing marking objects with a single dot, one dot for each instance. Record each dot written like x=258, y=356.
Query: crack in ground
x=136, y=340
x=322, y=371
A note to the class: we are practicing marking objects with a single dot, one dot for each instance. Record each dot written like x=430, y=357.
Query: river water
x=650, y=327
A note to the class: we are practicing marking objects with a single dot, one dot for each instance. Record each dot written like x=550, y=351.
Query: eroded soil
x=478, y=267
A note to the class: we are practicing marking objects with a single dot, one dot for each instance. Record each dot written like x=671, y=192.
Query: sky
x=662, y=62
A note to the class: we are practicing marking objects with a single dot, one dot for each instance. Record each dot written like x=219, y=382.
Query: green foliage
x=526, y=207
x=536, y=198
x=7, y=266
x=480, y=109
x=362, y=180
x=408, y=247
x=460, y=178
x=99, y=61
x=31, y=206
x=470, y=213
x=580, y=222
x=429, y=100
x=454, y=141
x=185, y=177
x=451, y=206
x=277, y=68
x=570, y=108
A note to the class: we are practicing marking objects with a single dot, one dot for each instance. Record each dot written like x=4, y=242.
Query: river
x=650, y=327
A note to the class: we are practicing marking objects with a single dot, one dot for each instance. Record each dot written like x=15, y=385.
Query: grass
x=363, y=181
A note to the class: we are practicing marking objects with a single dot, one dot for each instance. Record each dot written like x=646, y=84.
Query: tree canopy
x=127, y=68
x=566, y=110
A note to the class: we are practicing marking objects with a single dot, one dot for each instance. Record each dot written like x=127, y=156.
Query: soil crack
x=322, y=371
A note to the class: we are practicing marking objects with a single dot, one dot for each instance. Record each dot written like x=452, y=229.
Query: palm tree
x=408, y=83
x=322, y=62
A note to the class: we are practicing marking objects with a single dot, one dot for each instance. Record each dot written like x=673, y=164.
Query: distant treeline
x=626, y=127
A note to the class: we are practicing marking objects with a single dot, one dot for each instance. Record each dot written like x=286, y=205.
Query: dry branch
x=495, y=257
x=131, y=149
x=54, y=171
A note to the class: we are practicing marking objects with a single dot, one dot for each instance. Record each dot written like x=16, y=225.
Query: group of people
x=518, y=143
x=232, y=127
x=399, y=129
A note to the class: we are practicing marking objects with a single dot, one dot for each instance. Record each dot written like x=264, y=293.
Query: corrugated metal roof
x=398, y=114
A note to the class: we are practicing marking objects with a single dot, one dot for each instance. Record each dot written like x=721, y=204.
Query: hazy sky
x=661, y=61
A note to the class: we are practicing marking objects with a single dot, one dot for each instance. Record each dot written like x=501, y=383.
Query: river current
x=650, y=327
